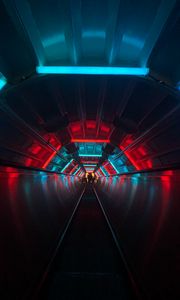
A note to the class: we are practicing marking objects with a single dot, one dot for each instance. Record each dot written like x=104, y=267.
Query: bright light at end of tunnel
x=95, y=70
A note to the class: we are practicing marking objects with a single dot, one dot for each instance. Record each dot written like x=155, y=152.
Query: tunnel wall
x=144, y=212
x=35, y=207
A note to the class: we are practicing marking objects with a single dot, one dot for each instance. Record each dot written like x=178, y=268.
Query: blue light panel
x=91, y=70
x=90, y=155
x=2, y=81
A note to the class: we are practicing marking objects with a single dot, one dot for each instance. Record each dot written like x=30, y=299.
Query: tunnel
x=90, y=149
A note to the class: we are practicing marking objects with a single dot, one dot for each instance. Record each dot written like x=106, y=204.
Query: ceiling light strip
x=92, y=70
x=90, y=141
x=89, y=155
x=66, y=166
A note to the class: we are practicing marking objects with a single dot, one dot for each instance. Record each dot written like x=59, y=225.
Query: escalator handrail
x=61, y=238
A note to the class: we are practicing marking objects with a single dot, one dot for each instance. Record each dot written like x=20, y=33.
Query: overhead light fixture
x=95, y=70
x=89, y=155
x=90, y=165
x=89, y=141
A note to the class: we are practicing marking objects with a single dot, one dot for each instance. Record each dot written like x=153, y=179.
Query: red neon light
x=90, y=124
x=76, y=127
x=73, y=169
x=51, y=157
x=130, y=159
x=101, y=173
x=105, y=167
x=36, y=149
x=89, y=141
x=104, y=128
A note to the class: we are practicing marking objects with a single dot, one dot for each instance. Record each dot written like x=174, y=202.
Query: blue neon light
x=114, y=166
x=91, y=70
x=90, y=155
x=77, y=171
x=178, y=86
x=67, y=165
x=90, y=165
x=2, y=81
x=103, y=171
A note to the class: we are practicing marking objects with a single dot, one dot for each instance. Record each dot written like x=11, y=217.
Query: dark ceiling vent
x=126, y=125
x=56, y=124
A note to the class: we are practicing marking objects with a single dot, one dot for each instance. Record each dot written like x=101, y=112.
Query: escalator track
x=88, y=263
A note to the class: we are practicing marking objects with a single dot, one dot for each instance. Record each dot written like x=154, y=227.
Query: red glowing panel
x=75, y=127
x=142, y=150
x=90, y=124
x=131, y=159
x=168, y=173
x=106, y=168
x=104, y=128
x=73, y=169
x=50, y=157
x=29, y=162
x=51, y=139
x=149, y=164
x=35, y=149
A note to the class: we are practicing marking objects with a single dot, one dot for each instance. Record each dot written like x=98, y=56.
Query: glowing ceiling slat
x=90, y=165
x=77, y=171
x=103, y=171
x=90, y=155
x=92, y=70
x=114, y=166
x=51, y=157
x=90, y=141
x=67, y=165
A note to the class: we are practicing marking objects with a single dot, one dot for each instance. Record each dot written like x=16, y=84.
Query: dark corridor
x=87, y=265
x=89, y=89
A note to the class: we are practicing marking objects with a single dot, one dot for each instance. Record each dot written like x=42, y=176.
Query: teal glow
x=67, y=165
x=90, y=155
x=53, y=40
x=94, y=34
x=133, y=41
x=90, y=165
x=103, y=171
x=91, y=70
x=114, y=167
x=2, y=81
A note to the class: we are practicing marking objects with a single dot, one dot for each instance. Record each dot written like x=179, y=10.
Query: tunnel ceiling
x=73, y=123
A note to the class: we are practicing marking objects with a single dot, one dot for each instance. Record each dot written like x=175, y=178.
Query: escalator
x=87, y=264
